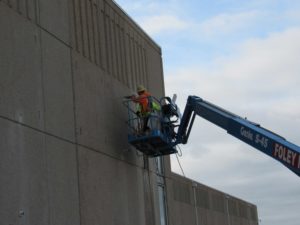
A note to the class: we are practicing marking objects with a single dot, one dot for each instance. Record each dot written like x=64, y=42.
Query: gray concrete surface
x=23, y=175
x=58, y=88
x=206, y=205
x=64, y=158
x=54, y=17
x=20, y=80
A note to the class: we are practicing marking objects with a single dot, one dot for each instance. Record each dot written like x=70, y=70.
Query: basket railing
x=136, y=120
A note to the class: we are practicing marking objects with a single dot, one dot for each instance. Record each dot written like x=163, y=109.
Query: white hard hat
x=140, y=88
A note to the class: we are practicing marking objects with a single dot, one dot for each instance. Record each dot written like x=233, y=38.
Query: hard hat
x=140, y=88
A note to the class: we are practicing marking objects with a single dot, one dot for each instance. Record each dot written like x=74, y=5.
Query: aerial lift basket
x=155, y=141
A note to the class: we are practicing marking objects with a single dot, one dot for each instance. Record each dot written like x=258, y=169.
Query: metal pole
x=194, y=185
x=228, y=218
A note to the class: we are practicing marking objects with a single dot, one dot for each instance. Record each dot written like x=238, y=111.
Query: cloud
x=213, y=27
x=259, y=79
x=163, y=23
x=147, y=8
x=258, y=70
x=292, y=15
x=226, y=23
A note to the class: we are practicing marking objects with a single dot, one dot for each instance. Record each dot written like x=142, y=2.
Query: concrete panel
x=111, y=192
x=211, y=205
x=58, y=92
x=20, y=80
x=23, y=176
x=155, y=72
x=219, y=218
x=202, y=216
x=92, y=93
x=180, y=208
x=100, y=114
x=54, y=17
x=27, y=8
x=183, y=214
x=62, y=182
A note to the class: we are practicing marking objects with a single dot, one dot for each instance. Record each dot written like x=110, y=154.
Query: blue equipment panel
x=152, y=144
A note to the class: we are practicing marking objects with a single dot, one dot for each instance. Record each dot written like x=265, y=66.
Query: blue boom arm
x=251, y=133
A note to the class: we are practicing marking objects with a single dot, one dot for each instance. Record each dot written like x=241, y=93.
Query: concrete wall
x=190, y=202
x=64, y=156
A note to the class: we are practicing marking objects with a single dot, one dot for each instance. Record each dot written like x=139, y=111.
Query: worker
x=145, y=106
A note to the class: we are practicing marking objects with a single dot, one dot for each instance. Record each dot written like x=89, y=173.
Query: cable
x=180, y=154
x=180, y=165
x=156, y=167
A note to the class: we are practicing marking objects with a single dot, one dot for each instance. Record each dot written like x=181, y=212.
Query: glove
x=127, y=97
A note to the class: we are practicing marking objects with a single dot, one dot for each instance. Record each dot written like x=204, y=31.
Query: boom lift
x=168, y=130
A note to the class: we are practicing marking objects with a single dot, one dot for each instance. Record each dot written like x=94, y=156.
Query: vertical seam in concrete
x=120, y=53
x=89, y=9
x=166, y=206
x=106, y=37
x=44, y=106
x=75, y=26
x=136, y=59
x=98, y=15
x=151, y=194
x=146, y=68
x=162, y=75
x=113, y=45
x=106, y=30
x=26, y=9
x=124, y=55
x=75, y=134
x=133, y=60
x=141, y=62
x=130, y=73
x=144, y=63
x=167, y=201
x=47, y=169
x=92, y=31
x=94, y=11
x=42, y=70
x=141, y=81
x=89, y=56
x=116, y=50
x=74, y=112
x=82, y=30
x=147, y=182
x=109, y=50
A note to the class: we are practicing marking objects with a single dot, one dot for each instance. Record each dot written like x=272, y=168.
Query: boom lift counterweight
x=172, y=132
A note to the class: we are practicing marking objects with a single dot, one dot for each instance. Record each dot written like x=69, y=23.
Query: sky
x=243, y=56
